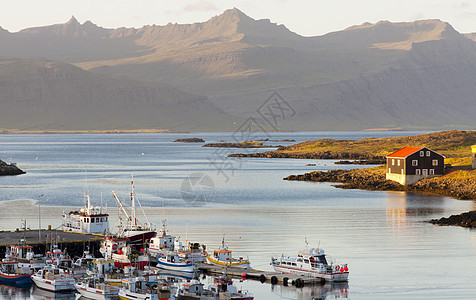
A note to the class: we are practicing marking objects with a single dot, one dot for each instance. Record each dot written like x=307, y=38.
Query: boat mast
x=134, y=220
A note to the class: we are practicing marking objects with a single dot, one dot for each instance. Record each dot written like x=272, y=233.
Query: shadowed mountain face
x=413, y=75
x=38, y=94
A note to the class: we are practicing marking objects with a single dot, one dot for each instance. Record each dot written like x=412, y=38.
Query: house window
x=398, y=162
x=389, y=170
x=427, y=153
x=435, y=162
x=432, y=171
x=417, y=172
x=403, y=171
x=393, y=162
x=422, y=153
x=414, y=162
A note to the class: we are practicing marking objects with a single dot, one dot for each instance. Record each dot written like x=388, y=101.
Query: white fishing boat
x=225, y=289
x=89, y=219
x=162, y=243
x=96, y=288
x=311, y=263
x=223, y=257
x=53, y=279
x=193, y=289
x=143, y=288
x=27, y=258
x=172, y=262
x=165, y=242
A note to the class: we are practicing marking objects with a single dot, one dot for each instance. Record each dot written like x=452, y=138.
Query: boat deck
x=263, y=276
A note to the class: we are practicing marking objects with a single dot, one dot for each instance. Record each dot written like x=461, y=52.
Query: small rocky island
x=189, y=140
x=246, y=144
x=9, y=169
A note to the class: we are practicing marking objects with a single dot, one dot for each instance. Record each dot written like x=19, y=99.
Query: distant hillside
x=417, y=75
x=40, y=94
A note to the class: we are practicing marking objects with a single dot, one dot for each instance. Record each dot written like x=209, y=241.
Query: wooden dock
x=262, y=276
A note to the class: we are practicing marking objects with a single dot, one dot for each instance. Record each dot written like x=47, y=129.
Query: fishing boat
x=225, y=289
x=138, y=233
x=96, y=288
x=53, y=279
x=27, y=258
x=193, y=289
x=89, y=219
x=11, y=273
x=223, y=257
x=162, y=243
x=165, y=242
x=172, y=262
x=142, y=288
x=124, y=254
x=311, y=263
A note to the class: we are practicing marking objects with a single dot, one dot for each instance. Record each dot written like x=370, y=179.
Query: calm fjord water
x=392, y=253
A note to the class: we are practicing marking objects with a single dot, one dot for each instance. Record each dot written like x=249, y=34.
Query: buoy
x=337, y=268
x=243, y=275
x=285, y=281
x=346, y=269
x=342, y=270
x=274, y=280
x=262, y=278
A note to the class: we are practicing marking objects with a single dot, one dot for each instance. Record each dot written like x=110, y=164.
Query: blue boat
x=172, y=262
x=10, y=272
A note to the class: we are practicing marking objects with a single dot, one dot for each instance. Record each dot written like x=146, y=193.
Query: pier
x=262, y=276
x=75, y=243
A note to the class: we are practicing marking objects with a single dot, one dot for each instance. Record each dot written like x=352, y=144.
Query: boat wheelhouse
x=88, y=219
x=311, y=263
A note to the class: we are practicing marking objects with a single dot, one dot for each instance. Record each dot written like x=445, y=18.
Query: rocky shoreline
x=467, y=219
x=455, y=184
x=9, y=169
x=314, y=155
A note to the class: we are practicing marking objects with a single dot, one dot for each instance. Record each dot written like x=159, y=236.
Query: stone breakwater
x=9, y=169
x=454, y=184
x=467, y=219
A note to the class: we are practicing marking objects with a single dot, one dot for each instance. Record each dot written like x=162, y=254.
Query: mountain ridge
x=366, y=76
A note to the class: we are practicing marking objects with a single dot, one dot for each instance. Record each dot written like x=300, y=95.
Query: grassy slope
x=451, y=144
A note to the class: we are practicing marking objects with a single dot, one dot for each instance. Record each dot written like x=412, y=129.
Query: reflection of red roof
x=404, y=152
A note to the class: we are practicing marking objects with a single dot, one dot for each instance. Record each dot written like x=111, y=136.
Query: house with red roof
x=410, y=164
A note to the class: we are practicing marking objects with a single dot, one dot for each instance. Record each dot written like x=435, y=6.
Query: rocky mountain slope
x=411, y=75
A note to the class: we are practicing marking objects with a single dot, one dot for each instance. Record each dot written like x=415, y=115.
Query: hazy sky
x=305, y=17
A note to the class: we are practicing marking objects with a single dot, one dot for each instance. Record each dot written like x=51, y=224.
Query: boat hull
x=245, y=264
x=331, y=277
x=55, y=286
x=126, y=295
x=15, y=278
x=177, y=267
x=95, y=293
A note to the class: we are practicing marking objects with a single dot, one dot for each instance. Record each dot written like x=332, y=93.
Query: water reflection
x=15, y=291
x=401, y=205
x=314, y=292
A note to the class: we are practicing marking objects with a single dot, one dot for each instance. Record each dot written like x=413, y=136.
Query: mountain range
x=216, y=74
